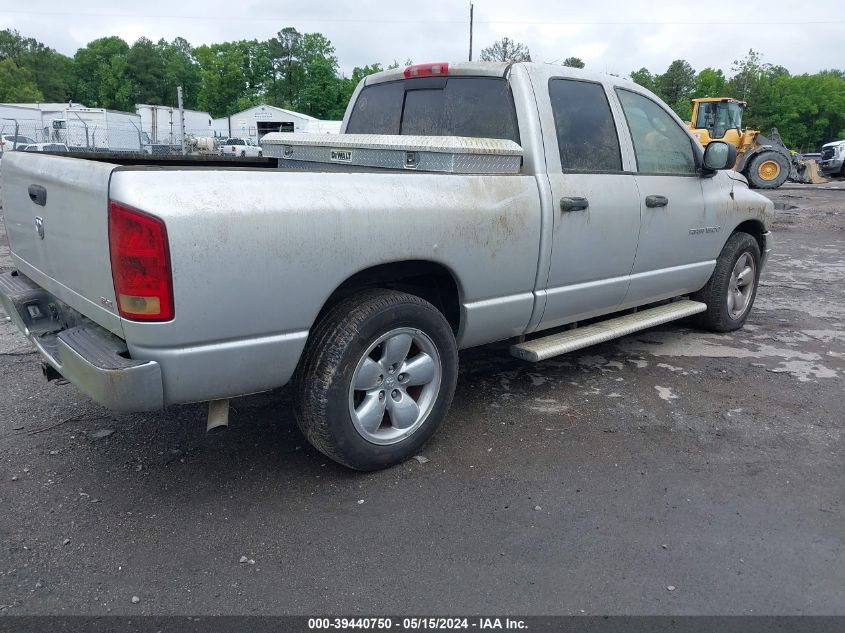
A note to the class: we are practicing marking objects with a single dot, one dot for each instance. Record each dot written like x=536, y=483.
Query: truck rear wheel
x=377, y=378
x=768, y=170
x=732, y=288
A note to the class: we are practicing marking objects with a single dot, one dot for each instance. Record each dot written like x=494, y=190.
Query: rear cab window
x=480, y=107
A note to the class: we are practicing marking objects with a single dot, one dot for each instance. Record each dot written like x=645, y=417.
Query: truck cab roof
x=497, y=69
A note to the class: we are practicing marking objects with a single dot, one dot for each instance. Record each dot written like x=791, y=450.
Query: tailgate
x=56, y=215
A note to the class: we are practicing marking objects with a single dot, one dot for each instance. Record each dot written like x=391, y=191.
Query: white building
x=257, y=121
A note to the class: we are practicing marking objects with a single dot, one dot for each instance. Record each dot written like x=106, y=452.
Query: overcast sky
x=609, y=36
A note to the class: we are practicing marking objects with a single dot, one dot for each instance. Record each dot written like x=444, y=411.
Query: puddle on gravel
x=803, y=365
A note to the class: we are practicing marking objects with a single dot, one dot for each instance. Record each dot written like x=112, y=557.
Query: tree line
x=808, y=109
x=300, y=71
x=293, y=70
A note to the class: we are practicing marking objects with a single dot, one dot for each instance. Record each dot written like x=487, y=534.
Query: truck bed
x=347, y=153
x=121, y=158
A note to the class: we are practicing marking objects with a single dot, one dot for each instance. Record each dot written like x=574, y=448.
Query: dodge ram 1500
x=148, y=285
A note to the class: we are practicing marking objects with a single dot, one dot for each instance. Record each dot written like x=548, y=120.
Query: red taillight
x=427, y=70
x=233, y=148
x=140, y=264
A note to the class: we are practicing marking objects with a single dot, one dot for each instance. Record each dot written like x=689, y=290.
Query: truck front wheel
x=732, y=288
x=377, y=378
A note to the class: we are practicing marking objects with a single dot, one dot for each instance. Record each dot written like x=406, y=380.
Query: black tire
x=337, y=345
x=755, y=175
x=718, y=317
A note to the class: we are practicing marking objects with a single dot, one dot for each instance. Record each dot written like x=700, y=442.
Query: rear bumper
x=86, y=354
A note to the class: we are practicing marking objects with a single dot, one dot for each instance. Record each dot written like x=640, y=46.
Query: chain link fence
x=105, y=131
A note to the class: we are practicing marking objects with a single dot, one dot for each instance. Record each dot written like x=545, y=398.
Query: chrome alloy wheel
x=395, y=386
x=741, y=286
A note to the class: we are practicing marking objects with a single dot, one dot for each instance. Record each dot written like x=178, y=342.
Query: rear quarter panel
x=255, y=255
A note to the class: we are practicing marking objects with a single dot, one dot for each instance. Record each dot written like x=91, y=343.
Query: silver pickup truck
x=148, y=285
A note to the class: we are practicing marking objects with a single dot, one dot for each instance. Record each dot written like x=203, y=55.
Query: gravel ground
x=672, y=471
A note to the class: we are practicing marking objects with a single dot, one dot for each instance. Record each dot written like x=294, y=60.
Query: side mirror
x=719, y=155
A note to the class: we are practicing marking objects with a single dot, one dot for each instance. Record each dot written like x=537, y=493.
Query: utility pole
x=470, y=30
x=181, y=117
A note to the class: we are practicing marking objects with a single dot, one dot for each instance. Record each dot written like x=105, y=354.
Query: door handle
x=38, y=195
x=656, y=201
x=574, y=204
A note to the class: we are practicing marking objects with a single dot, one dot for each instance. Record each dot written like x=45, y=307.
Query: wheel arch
x=428, y=280
x=754, y=228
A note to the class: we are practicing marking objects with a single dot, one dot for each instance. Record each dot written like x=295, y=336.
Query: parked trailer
x=32, y=119
x=95, y=129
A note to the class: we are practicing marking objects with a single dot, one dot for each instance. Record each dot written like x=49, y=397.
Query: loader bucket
x=812, y=173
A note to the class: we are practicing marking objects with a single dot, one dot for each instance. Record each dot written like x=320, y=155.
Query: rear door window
x=586, y=134
x=480, y=107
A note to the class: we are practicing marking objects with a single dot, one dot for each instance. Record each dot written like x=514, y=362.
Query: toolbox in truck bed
x=448, y=154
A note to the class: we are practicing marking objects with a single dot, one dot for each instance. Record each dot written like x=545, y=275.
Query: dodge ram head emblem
x=39, y=226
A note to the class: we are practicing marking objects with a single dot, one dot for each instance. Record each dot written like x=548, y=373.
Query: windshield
x=480, y=107
x=717, y=117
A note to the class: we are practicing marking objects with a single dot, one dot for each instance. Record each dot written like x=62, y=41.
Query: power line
x=265, y=18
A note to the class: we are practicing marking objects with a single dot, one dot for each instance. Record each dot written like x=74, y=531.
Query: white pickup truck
x=528, y=199
x=239, y=147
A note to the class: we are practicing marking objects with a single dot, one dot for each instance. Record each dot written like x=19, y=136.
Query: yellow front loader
x=767, y=163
